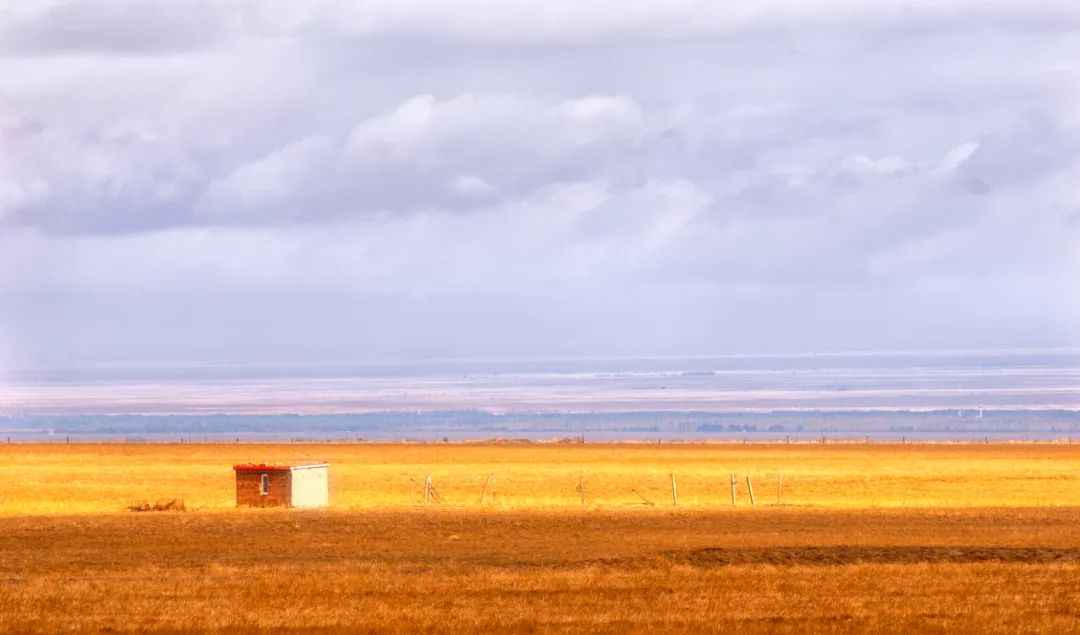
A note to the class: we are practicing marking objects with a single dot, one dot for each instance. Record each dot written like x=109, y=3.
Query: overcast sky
x=280, y=181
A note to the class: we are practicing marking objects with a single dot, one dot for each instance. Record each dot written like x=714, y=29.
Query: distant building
x=305, y=486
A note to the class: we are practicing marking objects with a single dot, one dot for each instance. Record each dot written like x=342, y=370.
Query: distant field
x=77, y=478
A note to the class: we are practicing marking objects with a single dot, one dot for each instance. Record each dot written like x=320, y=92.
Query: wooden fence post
x=581, y=488
x=750, y=488
x=674, y=491
x=489, y=481
x=780, y=489
x=427, y=489
x=732, y=490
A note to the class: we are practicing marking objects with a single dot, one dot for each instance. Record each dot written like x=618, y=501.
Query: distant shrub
x=160, y=505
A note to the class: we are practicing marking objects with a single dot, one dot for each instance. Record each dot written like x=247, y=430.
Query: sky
x=265, y=181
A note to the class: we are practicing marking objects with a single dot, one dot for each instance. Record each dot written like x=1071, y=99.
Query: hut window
x=264, y=485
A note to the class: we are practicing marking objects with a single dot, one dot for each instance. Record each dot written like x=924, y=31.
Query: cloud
x=284, y=179
x=561, y=21
x=56, y=26
x=471, y=186
x=419, y=178
x=428, y=154
x=152, y=28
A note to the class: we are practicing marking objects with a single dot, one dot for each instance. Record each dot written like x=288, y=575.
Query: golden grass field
x=896, y=538
x=78, y=478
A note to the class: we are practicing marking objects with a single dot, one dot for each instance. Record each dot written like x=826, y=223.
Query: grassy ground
x=1001, y=570
x=896, y=538
x=58, y=478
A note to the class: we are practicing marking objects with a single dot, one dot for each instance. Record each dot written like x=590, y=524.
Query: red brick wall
x=248, y=487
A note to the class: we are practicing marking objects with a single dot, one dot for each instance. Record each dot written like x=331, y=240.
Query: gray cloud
x=143, y=26
x=260, y=181
x=140, y=27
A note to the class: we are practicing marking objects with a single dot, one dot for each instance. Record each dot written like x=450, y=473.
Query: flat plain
x=893, y=538
x=78, y=478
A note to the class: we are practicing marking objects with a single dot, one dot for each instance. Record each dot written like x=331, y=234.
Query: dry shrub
x=160, y=505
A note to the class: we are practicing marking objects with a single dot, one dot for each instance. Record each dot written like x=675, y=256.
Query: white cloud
x=277, y=178
x=543, y=173
x=423, y=129
x=18, y=195
x=957, y=157
x=472, y=185
x=399, y=134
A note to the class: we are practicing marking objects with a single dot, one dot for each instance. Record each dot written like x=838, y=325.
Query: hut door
x=264, y=485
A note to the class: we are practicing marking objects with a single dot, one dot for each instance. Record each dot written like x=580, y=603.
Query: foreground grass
x=796, y=570
x=76, y=478
x=899, y=538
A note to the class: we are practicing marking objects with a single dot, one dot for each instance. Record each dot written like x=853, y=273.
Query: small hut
x=261, y=485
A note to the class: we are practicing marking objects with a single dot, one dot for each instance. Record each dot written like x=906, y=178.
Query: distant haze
x=275, y=182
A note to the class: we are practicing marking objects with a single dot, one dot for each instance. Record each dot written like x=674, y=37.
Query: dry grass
x=38, y=479
x=778, y=570
x=897, y=538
